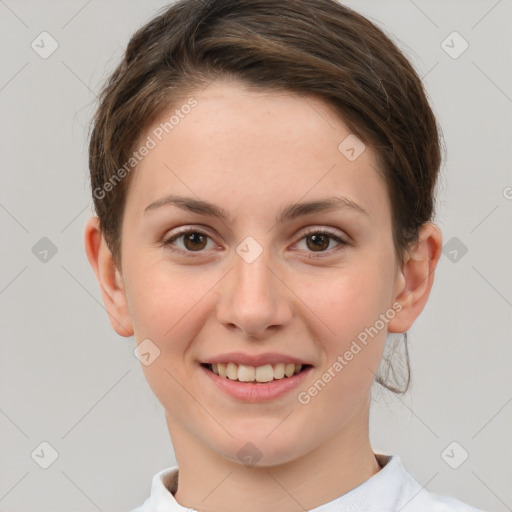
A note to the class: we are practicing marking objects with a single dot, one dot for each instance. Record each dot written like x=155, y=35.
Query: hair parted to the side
x=319, y=48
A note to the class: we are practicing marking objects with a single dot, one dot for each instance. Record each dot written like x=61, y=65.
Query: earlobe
x=109, y=278
x=416, y=278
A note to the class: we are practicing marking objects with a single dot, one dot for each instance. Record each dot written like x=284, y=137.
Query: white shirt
x=392, y=489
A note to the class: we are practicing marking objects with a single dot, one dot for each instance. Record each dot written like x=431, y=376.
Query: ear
x=109, y=278
x=414, y=281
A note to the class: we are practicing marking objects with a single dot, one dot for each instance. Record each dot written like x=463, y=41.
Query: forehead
x=254, y=149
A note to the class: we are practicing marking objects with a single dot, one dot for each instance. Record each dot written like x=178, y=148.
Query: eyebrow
x=290, y=212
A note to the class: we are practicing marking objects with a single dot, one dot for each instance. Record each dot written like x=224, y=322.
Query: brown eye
x=194, y=241
x=318, y=242
x=188, y=242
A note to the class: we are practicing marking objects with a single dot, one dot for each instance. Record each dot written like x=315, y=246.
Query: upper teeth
x=264, y=373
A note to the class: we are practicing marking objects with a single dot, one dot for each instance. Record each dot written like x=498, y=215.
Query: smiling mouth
x=256, y=375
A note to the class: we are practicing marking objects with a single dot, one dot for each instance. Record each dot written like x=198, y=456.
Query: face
x=255, y=282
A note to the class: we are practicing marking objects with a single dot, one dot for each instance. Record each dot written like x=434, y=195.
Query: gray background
x=68, y=379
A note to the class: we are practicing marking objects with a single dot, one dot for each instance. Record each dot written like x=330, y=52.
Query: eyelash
x=313, y=231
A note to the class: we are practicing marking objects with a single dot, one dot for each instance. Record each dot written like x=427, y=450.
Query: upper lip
x=254, y=360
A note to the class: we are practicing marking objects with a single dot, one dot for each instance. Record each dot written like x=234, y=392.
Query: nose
x=253, y=298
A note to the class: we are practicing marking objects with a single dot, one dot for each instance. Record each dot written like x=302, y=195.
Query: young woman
x=263, y=174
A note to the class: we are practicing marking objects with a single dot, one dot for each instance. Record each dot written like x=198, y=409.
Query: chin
x=261, y=450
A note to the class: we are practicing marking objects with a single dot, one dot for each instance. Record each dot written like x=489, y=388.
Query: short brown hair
x=309, y=47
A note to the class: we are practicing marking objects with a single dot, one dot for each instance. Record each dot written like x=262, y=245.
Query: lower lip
x=257, y=392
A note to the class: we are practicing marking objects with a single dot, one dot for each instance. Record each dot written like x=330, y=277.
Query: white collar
x=392, y=488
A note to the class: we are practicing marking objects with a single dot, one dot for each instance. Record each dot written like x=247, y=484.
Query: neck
x=209, y=481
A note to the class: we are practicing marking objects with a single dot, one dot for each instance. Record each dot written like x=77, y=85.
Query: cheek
x=349, y=299
x=170, y=308
x=352, y=347
x=351, y=303
x=162, y=300
x=167, y=308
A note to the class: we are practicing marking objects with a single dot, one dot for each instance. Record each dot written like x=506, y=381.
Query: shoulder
x=429, y=502
x=413, y=497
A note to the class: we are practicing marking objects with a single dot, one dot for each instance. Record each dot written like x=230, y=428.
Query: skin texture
x=253, y=152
